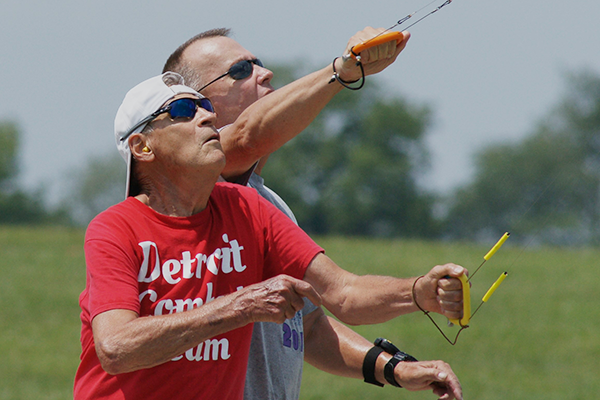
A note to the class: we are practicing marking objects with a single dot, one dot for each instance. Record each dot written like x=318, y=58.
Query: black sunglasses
x=239, y=70
x=180, y=108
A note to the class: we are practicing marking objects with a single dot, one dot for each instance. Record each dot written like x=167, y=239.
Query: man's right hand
x=440, y=290
x=374, y=59
x=275, y=299
x=429, y=375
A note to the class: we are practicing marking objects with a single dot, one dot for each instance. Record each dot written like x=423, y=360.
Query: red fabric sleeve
x=113, y=278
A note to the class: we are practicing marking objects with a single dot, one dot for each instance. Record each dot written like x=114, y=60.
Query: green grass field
x=537, y=337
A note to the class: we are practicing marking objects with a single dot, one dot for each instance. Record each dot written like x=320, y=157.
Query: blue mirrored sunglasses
x=180, y=108
x=239, y=70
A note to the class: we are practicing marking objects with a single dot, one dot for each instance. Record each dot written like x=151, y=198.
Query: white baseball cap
x=136, y=111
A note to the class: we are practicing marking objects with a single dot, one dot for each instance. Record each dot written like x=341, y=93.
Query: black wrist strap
x=336, y=77
x=388, y=370
x=369, y=362
x=386, y=345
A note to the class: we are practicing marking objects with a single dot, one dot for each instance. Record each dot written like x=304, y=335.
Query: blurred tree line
x=355, y=171
x=18, y=206
x=546, y=187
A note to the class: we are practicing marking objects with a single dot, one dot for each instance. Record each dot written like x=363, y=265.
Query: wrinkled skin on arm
x=126, y=342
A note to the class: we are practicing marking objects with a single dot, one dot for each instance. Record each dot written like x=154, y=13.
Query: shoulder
x=241, y=200
x=118, y=218
x=229, y=188
x=119, y=211
x=233, y=193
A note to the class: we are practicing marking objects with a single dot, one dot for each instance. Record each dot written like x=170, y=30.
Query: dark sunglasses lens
x=183, y=108
x=241, y=70
x=206, y=104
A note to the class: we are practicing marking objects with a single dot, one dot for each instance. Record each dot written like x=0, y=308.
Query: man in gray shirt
x=235, y=80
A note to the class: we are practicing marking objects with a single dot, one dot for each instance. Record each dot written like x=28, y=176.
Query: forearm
x=125, y=342
x=275, y=119
x=356, y=300
x=334, y=348
x=391, y=298
x=370, y=299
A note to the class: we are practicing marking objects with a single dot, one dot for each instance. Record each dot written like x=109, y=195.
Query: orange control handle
x=376, y=41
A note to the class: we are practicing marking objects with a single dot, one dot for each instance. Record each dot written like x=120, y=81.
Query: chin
x=220, y=157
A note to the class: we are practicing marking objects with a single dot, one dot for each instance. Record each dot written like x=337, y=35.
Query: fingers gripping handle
x=466, y=290
x=376, y=41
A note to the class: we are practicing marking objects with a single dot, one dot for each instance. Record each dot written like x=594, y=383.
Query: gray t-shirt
x=277, y=350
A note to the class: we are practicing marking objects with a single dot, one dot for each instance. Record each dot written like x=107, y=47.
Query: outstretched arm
x=126, y=342
x=278, y=117
x=333, y=347
x=371, y=299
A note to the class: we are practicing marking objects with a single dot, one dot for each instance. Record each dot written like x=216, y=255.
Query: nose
x=205, y=117
x=264, y=75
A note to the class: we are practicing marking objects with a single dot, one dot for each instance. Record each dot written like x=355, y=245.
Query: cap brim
x=128, y=182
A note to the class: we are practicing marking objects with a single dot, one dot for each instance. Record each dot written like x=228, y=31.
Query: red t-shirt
x=153, y=264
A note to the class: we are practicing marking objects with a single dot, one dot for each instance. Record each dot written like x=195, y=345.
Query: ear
x=139, y=147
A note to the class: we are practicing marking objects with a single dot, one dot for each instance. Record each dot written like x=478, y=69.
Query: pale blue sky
x=490, y=69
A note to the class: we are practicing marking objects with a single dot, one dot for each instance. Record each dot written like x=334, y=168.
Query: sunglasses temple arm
x=142, y=122
x=213, y=81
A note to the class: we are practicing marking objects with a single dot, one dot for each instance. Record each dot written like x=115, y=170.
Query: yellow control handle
x=466, y=289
